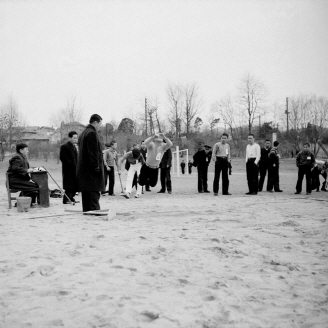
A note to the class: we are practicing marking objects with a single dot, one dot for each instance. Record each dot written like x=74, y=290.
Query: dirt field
x=181, y=260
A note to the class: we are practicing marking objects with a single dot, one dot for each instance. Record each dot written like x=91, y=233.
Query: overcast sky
x=112, y=54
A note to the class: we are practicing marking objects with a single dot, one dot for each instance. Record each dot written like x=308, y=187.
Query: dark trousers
x=148, y=176
x=263, y=171
x=252, y=175
x=273, y=178
x=190, y=169
x=221, y=165
x=182, y=169
x=202, y=178
x=166, y=182
x=304, y=170
x=90, y=200
x=110, y=176
x=70, y=194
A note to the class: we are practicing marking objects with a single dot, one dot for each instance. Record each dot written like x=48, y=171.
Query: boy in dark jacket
x=305, y=162
x=273, y=168
x=202, y=160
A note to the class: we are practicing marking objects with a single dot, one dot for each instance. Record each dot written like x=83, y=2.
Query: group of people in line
x=88, y=168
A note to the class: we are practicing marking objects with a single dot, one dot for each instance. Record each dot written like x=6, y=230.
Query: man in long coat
x=90, y=165
x=68, y=157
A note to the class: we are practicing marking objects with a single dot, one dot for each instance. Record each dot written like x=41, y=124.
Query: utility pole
x=146, y=115
x=287, y=113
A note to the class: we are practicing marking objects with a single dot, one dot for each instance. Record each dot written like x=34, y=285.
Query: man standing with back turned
x=253, y=154
x=264, y=164
x=90, y=167
x=68, y=157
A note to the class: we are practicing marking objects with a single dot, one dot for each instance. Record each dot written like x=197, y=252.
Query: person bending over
x=135, y=160
x=155, y=150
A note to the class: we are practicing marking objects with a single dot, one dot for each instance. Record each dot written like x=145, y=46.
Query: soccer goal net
x=177, y=157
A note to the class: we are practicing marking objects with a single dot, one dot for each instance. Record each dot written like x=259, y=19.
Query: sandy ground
x=180, y=260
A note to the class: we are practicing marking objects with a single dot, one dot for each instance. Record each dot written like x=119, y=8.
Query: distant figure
x=90, y=165
x=165, y=172
x=273, y=169
x=190, y=167
x=305, y=162
x=292, y=153
x=110, y=161
x=68, y=157
x=19, y=174
x=264, y=164
x=221, y=157
x=253, y=155
x=183, y=165
x=202, y=159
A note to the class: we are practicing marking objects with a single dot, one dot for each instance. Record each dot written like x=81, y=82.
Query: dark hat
x=135, y=152
x=207, y=146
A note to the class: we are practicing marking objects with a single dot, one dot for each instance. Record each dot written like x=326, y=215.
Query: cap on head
x=135, y=153
x=207, y=147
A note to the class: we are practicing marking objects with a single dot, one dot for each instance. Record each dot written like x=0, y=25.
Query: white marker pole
x=178, y=171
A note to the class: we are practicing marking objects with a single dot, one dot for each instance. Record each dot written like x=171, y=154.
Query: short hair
x=95, y=118
x=225, y=134
x=306, y=144
x=112, y=143
x=267, y=140
x=71, y=134
x=251, y=135
x=20, y=146
x=276, y=143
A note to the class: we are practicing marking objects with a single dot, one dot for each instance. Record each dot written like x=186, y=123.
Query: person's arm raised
x=150, y=139
x=169, y=143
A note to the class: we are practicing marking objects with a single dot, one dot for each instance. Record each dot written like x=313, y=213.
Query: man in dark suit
x=90, y=165
x=264, y=164
x=165, y=167
x=202, y=160
x=68, y=157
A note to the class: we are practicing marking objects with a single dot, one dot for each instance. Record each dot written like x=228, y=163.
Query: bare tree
x=231, y=116
x=192, y=104
x=11, y=118
x=174, y=95
x=252, y=98
x=71, y=113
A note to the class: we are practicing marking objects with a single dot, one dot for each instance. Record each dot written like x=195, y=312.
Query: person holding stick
x=156, y=148
x=110, y=158
x=135, y=160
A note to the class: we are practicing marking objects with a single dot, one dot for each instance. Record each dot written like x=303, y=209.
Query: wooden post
x=41, y=178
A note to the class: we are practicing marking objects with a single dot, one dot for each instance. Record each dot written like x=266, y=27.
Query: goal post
x=176, y=160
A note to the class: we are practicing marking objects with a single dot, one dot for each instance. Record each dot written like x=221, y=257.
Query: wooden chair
x=12, y=191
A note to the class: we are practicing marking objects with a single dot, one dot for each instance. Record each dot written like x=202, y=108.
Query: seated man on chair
x=19, y=174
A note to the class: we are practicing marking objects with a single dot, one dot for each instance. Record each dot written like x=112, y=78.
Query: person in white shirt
x=253, y=155
x=221, y=157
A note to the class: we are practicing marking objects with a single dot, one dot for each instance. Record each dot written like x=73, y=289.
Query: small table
x=41, y=178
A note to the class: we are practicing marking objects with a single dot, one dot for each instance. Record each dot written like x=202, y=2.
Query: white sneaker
x=127, y=195
x=136, y=196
